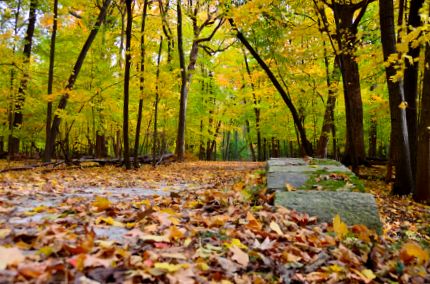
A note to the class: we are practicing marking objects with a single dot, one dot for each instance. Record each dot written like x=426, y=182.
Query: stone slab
x=352, y=207
x=278, y=180
x=308, y=168
x=285, y=162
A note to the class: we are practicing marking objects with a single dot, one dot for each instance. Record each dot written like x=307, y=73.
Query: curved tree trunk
x=72, y=79
x=306, y=145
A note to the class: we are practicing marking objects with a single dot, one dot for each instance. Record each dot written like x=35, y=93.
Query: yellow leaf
x=413, y=250
x=368, y=274
x=47, y=251
x=403, y=105
x=4, y=233
x=175, y=233
x=237, y=243
x=275, y=227
x=339, y=227
x=110, y=221
x=101, y=203
x=168, y=267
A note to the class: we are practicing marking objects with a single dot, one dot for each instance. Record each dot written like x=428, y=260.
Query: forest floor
x=194, y=222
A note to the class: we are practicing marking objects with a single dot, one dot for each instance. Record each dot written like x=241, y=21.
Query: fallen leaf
x=339, y=227
x=413, y=250
x=10, y=256
x=4, y=233
x=253, y=222
x=275, y=227
x=239, y=256
x=101, y=203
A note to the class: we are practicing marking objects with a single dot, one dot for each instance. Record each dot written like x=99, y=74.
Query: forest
x=219, y=81
x=133, y=135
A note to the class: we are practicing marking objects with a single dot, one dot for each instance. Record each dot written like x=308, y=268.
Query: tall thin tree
x=127, y=83
x=17, y=117
x=141, y=83
x=404, y=182
x=51, y=76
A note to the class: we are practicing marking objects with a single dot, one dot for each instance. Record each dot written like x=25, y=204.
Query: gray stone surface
x=295, y=172
x=279, y=180
x=352, y=207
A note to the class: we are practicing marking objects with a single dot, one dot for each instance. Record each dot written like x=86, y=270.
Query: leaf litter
x=197, y=222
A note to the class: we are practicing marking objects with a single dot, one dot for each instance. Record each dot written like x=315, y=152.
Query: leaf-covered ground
x=193, y=223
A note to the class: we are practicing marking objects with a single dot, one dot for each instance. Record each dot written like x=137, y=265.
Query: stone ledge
x=352, y=207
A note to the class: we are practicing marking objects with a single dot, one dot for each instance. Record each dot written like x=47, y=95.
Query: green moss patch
x=333, y=181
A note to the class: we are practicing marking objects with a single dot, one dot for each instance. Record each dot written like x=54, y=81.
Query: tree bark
x=411, y=81
x=141, y=84
x=73, y=76
x=422, y=191
x=256, y=109
x=13, y=143
x=346, y=27
x=51, y=78
x=157, y=94
x=180, y=141
x=328, y=122
x=186, y=74
x=128, y=29
x=306, y=145
x=404, y=182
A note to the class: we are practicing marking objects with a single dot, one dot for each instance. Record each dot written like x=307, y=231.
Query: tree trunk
x=346, y=28
x=411, y=81
x=306, y=145
x=51, y=79
x=127, y=83
x=249, y=138
x=72, y=79
x=328, y=122
x=13, y=145
x=141, y=84
x=373, y=135
x=256, y=109
x=157, y=94
x=180, y=141
x=399, y=132
x=422, y=191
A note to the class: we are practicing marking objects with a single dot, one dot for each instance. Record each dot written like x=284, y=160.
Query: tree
x=411, y=80
x=17, y=117
x=328, y=122
x=347, y=21
x=141, y=83
x=212, y=18
x=399, y=142
x=51, y=75
x=127, y=83
x=306, y=145
x=50, y=144
x=422, y=190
